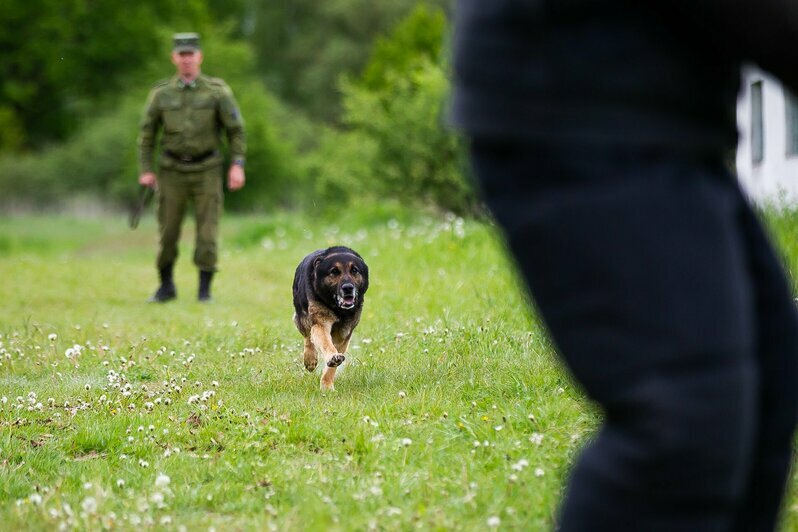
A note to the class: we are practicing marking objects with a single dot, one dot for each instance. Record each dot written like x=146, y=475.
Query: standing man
x=191, y=110
x=599, y=130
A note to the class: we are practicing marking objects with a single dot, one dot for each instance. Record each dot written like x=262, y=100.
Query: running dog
x=329, y=285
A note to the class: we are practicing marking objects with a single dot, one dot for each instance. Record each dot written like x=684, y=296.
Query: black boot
x=205, y=279
x=166, y=292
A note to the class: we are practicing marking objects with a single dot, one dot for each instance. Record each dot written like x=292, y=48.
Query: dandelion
x=536, y=438
x=144, y=463
x=406, y=442
x=162, y=481
x=520, y=465
x=120, y=483
x=35, y=499
x=539, y=472
x=498, y=428
x=52, y=337
x=402, y=395
x=89, y=505
x=494, y=521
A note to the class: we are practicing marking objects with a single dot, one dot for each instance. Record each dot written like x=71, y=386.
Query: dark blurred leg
x=638, y=268
x=778, y=384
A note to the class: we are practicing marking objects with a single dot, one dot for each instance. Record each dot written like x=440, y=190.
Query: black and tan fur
x=329, y=285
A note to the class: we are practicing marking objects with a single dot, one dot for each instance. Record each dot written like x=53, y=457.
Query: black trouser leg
x=651, y=281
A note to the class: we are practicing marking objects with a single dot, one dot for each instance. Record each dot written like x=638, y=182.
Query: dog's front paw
x=311, y=364
x=335, y=361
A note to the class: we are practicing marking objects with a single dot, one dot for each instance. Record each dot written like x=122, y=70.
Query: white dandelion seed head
x=52, y=337
x=89, y=505
x=162, y=481
x=494, y=521
x=520, y=465
x=539, y=472
x=406, y=442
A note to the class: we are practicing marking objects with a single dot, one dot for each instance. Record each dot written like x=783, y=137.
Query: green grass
x=436, y=421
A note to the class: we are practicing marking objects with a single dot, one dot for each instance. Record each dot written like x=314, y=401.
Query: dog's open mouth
x=345, y=301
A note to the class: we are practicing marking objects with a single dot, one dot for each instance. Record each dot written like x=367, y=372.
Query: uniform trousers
x=671, y=310
x=177, y=189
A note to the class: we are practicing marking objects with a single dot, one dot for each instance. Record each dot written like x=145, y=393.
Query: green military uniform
x=191, y=118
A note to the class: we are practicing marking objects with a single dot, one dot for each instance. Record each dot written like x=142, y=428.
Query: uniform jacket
x=191, y=119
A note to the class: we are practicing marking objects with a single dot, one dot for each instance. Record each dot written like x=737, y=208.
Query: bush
x=396, y=144
x=101, y=161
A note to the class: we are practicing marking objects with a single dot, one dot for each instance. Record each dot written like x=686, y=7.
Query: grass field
x=451, y=413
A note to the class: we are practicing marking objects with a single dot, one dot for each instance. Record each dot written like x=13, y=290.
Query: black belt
x=185, y=158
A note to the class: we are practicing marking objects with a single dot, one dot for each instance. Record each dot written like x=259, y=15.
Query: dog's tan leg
x=342, y=345
x=310, y=356
x=320, y=337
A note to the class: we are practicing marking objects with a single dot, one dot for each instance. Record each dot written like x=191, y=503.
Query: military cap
x=186, y=42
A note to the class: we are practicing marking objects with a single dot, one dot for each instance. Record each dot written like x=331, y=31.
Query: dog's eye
x=335, y=271
x=355, y=271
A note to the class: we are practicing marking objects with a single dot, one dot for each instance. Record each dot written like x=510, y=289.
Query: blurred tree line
x=344, y=100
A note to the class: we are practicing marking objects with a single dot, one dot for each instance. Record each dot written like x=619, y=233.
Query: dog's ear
x=315, y=266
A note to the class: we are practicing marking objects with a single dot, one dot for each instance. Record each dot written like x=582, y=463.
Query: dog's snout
x=348, y=288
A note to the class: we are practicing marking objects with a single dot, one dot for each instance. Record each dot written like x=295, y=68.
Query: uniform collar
x=181, y=84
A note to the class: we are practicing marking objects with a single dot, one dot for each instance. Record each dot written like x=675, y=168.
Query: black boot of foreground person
x=166, y=292
x=205, y=279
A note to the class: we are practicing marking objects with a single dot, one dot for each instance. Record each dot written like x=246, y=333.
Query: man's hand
x=147, y=179
x=235, y=177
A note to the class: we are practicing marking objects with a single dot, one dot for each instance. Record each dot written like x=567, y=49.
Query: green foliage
x=418, y=37
x=397, y=145
x=100, y=160
x=273, y=175
x=73, y=79
x=61, y=56
x=303, y=46
x=342, y=170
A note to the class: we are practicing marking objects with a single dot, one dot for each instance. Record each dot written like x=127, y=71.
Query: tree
x=61, y=57
x=303, y=46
